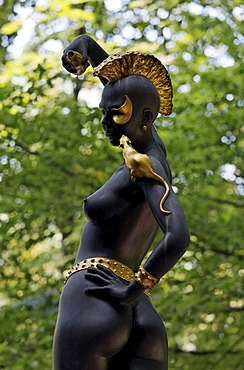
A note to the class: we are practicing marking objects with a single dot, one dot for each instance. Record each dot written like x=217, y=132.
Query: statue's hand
x=75, y=62
x=75, y=56
x=82, y=52
x=106, y=285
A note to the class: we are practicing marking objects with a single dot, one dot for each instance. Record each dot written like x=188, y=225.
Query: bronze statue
x=106, y=319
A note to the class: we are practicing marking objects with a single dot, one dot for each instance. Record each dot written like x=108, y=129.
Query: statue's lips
x=112, y=136
x=110, y=133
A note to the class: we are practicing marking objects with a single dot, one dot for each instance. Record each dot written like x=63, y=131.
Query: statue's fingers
x=97, y=271
x=98, y=282
x=97, y=279
x=106, y=270
x=97, y=291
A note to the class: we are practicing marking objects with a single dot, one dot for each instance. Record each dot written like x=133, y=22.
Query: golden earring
x=144, y=127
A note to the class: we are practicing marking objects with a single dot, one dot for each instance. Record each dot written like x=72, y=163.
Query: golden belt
x=116, y=267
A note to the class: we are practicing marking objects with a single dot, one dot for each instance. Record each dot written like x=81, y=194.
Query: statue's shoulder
x=121, y=177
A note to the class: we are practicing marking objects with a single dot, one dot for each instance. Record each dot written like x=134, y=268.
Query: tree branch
x=224, y=201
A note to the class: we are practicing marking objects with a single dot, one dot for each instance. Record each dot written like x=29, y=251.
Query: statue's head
x=138, y=88
x=129, y=106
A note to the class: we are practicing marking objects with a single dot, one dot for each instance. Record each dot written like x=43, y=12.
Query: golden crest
x=134, y=63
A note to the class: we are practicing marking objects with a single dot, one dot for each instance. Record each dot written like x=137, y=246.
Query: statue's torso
x=120, y=223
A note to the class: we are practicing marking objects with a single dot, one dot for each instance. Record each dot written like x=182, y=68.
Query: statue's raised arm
x=82, y=52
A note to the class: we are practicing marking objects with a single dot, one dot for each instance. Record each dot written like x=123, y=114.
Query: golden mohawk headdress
x=134, y=63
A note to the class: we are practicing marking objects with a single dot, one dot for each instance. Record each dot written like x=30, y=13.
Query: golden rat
x=140, y=166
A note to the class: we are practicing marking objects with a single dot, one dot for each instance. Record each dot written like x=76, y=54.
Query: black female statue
x=106, y=319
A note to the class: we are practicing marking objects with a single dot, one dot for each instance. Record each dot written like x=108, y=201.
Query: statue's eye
x=102, y=110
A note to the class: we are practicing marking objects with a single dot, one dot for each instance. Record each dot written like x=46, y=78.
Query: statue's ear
x=147, y=117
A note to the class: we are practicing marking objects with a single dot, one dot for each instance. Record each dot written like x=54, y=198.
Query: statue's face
x=123, y=104
x=117, y=110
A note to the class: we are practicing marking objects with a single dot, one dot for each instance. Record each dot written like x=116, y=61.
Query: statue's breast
x=100, y=206
x=113, y=198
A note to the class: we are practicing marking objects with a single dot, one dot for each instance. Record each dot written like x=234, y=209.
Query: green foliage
x=53, y=154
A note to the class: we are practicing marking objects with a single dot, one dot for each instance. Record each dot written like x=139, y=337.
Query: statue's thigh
x=89, y=325
x=149, y=334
